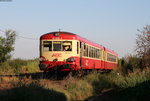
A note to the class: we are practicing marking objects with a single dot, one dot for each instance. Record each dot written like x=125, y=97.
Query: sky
x=111, y=23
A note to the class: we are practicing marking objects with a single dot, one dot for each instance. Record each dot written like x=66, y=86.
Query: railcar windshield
x=57, y=45
x=47, y=45
x=67, y=46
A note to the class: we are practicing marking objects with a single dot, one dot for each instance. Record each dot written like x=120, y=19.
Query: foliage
x=6, y=45
x=143, y=46
x=129, y=64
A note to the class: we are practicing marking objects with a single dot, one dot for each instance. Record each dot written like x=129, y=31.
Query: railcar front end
x=58, y=52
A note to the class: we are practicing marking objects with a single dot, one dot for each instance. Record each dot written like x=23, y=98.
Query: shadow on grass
x=141, y=92
x=31, y=92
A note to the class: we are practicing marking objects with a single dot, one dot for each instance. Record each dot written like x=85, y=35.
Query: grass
x=18, y=66
x=132, y=79
x=128, y=88
x=78, y=89
x=74, y=89
x=131, y=87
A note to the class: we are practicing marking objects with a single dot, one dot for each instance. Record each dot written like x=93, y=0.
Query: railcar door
x=104, y=58
x=81, y=54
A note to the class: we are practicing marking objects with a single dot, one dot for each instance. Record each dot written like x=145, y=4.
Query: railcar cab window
x=57, y=45
x=47, y=46
x=67, y=46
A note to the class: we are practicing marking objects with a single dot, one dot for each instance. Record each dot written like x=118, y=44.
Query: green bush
x=6, y=69
x=129, y=64
x=17, y=63
x=32, y=66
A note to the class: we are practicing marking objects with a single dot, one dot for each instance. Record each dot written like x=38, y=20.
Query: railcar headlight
x=56, y=34
x=70, y=60
x=42, y=58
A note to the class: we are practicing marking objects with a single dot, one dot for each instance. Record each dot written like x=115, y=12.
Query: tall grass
x=75, y=89
x=132, y=79
x=94, y=84
x=78, y=90
x=18, y=66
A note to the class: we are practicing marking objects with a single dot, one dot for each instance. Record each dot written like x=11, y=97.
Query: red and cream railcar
x=66, y=51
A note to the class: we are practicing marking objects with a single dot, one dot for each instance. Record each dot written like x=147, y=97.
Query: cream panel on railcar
x=59, y=55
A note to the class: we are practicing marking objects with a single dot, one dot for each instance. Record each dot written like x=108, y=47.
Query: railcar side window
x=111, y=57
x=67, y=46
x=84, y=49
x=100, y=54
x=56, y=45
x=87, y=50
x=47, y=46
x=97, y=53
x=90, y=51
x=77, y=47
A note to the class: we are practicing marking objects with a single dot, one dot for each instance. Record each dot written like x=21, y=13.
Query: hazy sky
x=112, y=23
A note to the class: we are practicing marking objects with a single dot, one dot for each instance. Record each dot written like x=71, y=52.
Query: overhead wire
x=22, y=36
x=26, y=37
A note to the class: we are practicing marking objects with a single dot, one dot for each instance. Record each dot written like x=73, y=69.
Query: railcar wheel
x=108, y=71
x=80, y=73
x=44, y=75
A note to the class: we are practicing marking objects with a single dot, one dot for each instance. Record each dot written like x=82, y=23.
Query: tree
x=143, y=46
x=6, y=45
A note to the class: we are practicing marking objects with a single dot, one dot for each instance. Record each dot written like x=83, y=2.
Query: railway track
x=37, y=75
x=51, y=75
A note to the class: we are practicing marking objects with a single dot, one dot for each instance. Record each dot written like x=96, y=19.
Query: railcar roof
x=60, y=33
